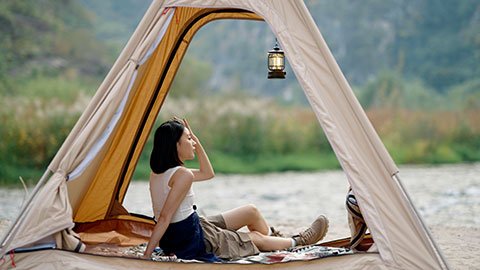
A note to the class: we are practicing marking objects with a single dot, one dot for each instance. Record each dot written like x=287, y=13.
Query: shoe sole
x=325, y=230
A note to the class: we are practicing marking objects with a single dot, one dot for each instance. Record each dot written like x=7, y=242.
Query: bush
x=32, y=131
x=241, y=134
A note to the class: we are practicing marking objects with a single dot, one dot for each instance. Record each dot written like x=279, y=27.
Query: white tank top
x=159, y=190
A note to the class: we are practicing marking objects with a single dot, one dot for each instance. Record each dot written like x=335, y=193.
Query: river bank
x=447, y=196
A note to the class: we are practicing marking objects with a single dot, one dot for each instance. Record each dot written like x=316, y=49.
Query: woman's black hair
x=164, y=153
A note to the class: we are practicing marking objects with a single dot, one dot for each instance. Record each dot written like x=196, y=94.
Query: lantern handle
x=276, y=47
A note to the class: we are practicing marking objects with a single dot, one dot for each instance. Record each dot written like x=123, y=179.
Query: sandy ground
x=460, y=245
x=448, y=197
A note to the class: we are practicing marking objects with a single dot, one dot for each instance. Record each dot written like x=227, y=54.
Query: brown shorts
x=225, y=243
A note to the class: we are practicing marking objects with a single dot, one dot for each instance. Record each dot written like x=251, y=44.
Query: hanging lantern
x=276, y=63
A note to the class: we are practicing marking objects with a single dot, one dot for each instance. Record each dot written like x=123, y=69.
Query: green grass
x=60, y=88
x=11, y=174
x=231, y=164
x=274, y=163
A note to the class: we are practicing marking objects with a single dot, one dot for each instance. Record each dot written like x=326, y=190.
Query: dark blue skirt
x=185, y=240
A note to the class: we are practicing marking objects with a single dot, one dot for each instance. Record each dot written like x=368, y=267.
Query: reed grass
x=241, y=135
x=32, y=129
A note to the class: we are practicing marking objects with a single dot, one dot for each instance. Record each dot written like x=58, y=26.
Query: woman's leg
x=269, y=243
x=250, y=216
x=247, y=215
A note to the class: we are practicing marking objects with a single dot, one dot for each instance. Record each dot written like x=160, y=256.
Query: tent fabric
x=49, y=213
x=100, y=185
x=52, y=208
x=115, y=231
x=60, y=259
x=112, y=160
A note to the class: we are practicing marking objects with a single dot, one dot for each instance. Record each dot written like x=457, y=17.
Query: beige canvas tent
x=87, y=180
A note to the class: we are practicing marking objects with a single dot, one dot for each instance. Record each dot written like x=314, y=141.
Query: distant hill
x=115, y=21
x=49, y=37
x=436, y=41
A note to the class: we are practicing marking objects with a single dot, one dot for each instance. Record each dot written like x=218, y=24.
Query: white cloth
x=159, y=190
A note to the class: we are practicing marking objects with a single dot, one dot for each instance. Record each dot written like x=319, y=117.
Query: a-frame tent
x=89, y=176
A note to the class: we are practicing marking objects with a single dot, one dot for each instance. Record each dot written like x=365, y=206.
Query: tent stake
x=422, y=222
x=20, y=217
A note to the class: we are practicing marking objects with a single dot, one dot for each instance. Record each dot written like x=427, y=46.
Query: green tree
x=439, y=41
x=191, y=78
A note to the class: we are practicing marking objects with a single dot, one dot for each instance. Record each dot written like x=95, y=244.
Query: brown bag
x=357, y=224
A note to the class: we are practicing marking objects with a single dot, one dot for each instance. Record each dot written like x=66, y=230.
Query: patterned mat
x=303, y=253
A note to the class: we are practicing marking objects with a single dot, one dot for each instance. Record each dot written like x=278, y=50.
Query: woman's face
x=186, y=146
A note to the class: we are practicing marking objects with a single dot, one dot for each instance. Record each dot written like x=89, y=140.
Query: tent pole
x=422, y=222
x=21, y=216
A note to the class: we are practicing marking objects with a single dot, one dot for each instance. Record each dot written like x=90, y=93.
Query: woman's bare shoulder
x=183, y=174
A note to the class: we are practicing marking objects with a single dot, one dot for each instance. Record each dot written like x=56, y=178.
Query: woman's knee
x=252, y=210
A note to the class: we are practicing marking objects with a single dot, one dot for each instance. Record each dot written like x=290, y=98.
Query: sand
x=460, y=245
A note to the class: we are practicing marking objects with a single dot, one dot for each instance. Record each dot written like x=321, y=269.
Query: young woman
x=181, y=231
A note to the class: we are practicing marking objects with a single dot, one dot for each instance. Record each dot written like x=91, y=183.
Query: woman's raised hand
x=191, y=132
x=184, y=120
x=206, y=171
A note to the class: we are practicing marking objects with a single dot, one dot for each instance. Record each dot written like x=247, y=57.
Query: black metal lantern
x=276, y=63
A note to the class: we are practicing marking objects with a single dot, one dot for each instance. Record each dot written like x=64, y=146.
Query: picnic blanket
x=303, y=253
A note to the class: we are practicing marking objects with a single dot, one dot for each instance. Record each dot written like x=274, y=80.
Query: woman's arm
x=206, y=170
x=182, y=181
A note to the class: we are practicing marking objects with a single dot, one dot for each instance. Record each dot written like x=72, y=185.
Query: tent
x=89, y=176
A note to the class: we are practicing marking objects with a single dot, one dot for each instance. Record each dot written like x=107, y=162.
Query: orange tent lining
x=113, y=177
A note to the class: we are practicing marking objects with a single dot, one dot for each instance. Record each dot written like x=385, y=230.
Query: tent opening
x=129, y=218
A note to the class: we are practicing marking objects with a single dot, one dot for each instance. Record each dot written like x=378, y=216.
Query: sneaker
x=275, y=232
x=315, y=233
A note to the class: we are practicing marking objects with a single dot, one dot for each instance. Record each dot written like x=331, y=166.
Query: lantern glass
x=276, y=61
